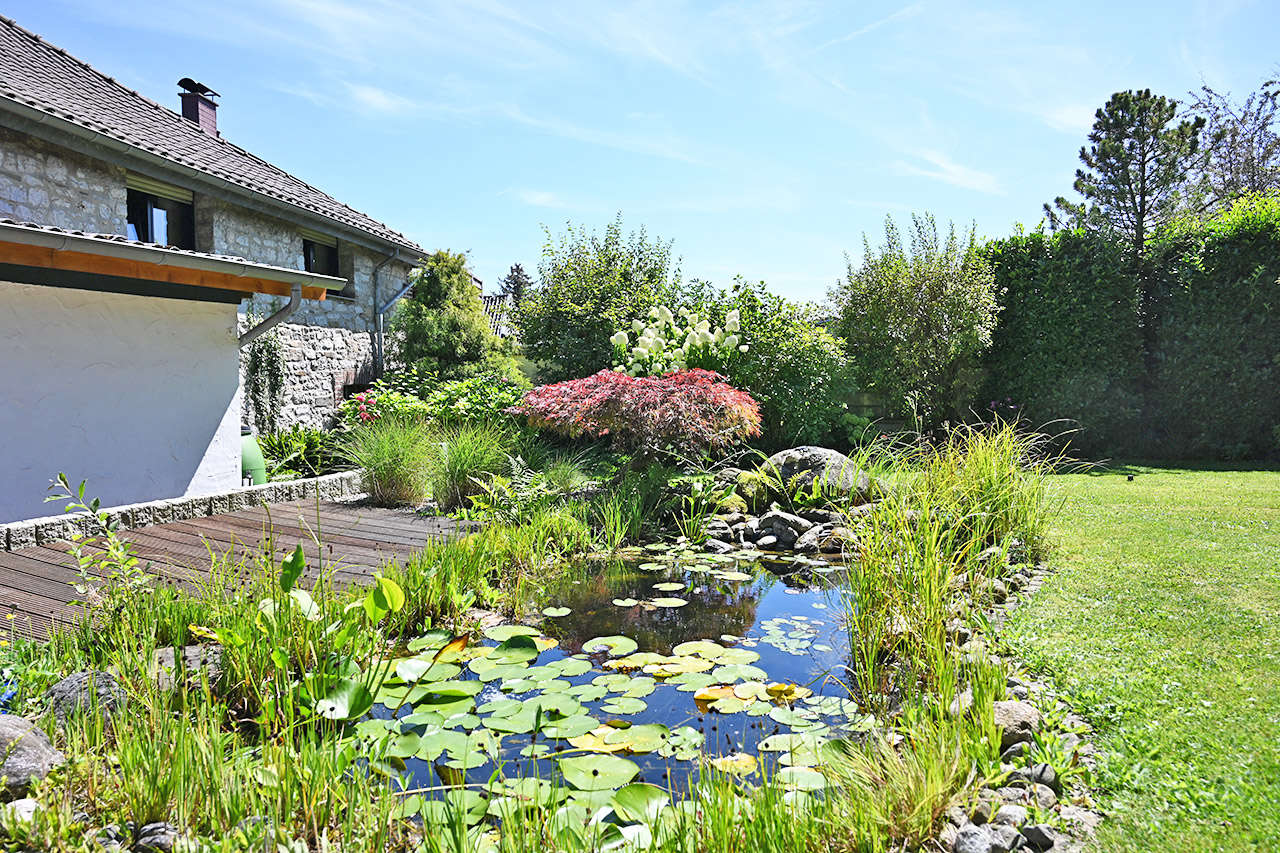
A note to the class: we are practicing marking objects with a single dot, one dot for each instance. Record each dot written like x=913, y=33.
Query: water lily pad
x=615, y=646
x=639, y=739
x=453, y=688
x=425, y=669
x=625, y=602
x=652, y=567
x=737, y=764
x=668, y=602
x=670, y=586
x=624, y=705
x=502, y=633
x=569, y=727
x=692, y=681
x=789, y=717
x=587, y=692
x=801, y=778
x=467, y=804
x=729, y=705
x=678, y=666
x=640, y=802
x=519, y=648
x=751, y=691
x=784, y=692
x=556, y=612
x=594, y=741
x=738, y=672
x=639, y=686
x=699, y=648
x=569, y=667
x=731, y=656
x=501, y=707
x=733, y=576
x=598, y=772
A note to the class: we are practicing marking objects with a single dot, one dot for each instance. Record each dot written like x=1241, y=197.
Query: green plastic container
x=251, y=462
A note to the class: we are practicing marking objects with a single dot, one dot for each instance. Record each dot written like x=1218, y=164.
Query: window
x=159, y=213
x=319, y=258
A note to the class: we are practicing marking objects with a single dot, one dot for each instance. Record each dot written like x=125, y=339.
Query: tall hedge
x=1069, y=344
x=1066, y=343
x=1216, y=377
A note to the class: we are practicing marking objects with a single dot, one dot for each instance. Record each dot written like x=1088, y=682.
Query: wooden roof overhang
x=32, y=254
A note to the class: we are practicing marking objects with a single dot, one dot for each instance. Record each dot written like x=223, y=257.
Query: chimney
x=198, y=105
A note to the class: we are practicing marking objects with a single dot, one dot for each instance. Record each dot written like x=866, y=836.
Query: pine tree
x=516, y=284
x=1135, y=165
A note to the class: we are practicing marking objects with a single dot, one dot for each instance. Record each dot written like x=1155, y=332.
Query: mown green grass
x=1163, y=623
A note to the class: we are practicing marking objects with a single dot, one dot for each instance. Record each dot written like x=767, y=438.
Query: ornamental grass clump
x=690, y=412
x=397, y=455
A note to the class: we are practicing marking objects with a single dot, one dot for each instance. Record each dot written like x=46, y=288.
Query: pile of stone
x=801, y=470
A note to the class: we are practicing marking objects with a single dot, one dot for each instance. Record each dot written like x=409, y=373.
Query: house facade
x=139, y=252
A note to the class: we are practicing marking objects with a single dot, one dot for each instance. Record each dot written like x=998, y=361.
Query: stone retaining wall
x=41, y=531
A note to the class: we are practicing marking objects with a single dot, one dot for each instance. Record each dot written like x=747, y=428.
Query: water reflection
x=715, y=607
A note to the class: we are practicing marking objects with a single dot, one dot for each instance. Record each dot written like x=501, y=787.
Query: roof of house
x=27, y=244
x=39, y=76
x=497, y=307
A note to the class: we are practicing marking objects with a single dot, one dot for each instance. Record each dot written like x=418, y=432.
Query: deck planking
x=36, y=584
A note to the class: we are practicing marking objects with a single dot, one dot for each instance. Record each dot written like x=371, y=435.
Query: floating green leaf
x=556, y=612
x=624, y=705
x=519, y=648
x=640, y=802
x=615, y=645
x=348, y=700
x=668, y=602
x=502, y=633
x=670, y=586
x=597, y=772
x=625, y=602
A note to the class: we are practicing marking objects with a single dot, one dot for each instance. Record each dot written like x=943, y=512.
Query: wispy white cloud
x=905, y=12
x=939, y=167
x=541, y=198
x=373, y=99
x=1069, y=118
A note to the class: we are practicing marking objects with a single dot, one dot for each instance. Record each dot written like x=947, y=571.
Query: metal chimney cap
x=197, y=88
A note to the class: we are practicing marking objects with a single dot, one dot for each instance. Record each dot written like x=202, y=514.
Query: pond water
x=616, y=671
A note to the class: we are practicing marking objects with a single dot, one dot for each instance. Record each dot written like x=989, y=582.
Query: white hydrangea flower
x=620, y=339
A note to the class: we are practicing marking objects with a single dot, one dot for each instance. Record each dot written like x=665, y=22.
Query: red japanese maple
x=690, y=411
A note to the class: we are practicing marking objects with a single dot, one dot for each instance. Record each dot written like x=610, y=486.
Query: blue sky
x=764, y=137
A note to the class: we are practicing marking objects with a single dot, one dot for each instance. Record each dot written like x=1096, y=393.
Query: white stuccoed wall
x=138, y=395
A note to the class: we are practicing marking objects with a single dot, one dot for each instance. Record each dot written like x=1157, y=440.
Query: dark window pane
x=160, y=220
x=319, y=258
x=139, y=216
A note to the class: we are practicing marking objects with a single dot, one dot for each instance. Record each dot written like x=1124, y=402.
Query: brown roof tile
x=46, y=78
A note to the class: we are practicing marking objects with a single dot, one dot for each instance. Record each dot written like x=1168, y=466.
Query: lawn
x=1163, y=624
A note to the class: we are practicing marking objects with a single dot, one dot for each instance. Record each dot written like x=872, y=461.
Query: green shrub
x=796, y=371
x=399, y=457
x=378, y=402
x=483, y=397
x=590, y=286
x=917, y=317
x=301, y=452
x=441, y=328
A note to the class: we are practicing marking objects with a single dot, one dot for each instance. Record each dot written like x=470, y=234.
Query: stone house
x=137, y=249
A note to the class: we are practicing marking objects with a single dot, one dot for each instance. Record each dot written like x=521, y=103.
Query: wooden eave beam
x=85, y=262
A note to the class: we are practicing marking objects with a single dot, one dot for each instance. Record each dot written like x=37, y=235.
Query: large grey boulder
x=86, y=692
x=1018, y=720
x=799, y=467
x=26, y=755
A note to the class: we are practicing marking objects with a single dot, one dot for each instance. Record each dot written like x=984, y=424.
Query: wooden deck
x=36, y=583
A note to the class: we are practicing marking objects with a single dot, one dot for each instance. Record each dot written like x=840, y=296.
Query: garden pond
x=647, y=670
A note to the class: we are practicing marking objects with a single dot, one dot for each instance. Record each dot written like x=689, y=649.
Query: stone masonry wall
x=49, y=185
x=327, y=346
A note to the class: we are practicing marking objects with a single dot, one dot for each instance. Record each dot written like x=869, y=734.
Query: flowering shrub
x=663, y=344
x=369, y=406
x=411, y=393
x=691, y=412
